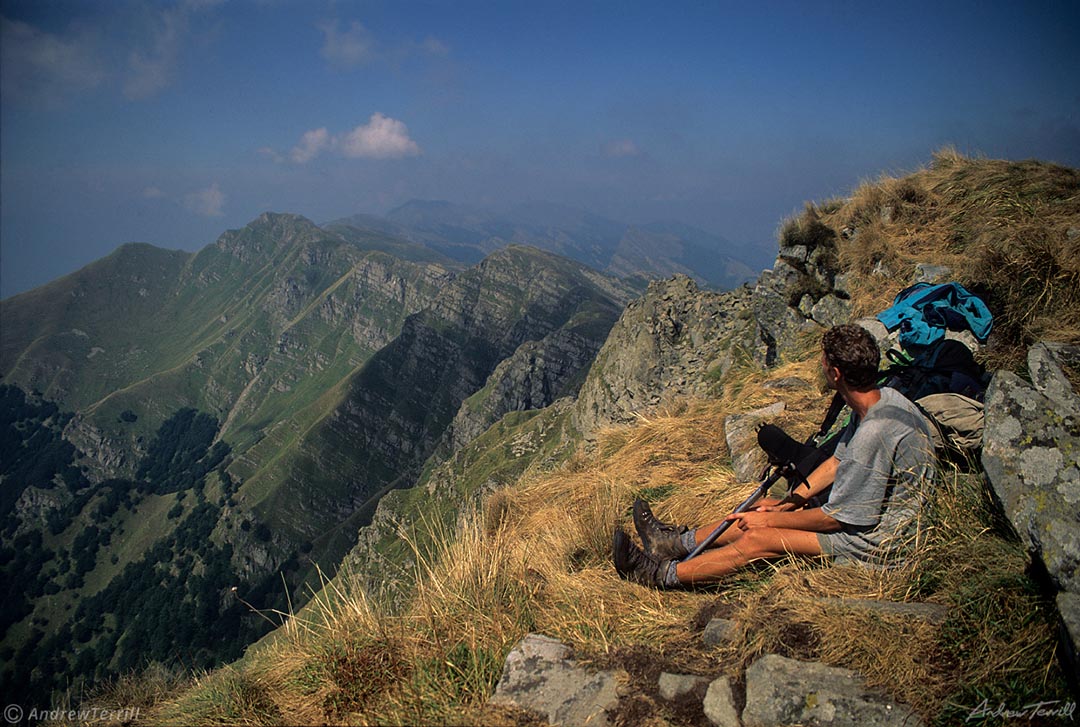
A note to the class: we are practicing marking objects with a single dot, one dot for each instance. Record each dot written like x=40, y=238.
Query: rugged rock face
x=104, y=456
x=1031, y=453
x=400, y=403
x=331, y=367
x=538, y=373
x=667, y=341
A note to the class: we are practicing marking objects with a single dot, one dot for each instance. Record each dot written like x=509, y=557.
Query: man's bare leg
x=744, y=547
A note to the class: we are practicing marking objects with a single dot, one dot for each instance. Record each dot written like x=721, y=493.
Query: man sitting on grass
x=879, y=474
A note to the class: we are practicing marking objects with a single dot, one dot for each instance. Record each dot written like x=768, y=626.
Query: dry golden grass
x=1002, y=227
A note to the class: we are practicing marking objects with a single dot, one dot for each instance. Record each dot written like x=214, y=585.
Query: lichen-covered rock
x=539, y=676
x=1046, y=364
x=778, y=323
x=831, y=311
x=1031, y=453
x=782, y=691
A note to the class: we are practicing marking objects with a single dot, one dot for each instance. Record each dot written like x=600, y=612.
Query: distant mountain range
x=176, y=424
x=644, y=252
x=182, y=427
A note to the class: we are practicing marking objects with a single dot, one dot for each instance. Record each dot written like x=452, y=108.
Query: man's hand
x=751, y=519
x=776, y=506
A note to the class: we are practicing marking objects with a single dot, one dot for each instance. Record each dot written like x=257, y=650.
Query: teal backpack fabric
x=923, y=313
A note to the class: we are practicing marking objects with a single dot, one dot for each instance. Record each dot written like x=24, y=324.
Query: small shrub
x=358, y=672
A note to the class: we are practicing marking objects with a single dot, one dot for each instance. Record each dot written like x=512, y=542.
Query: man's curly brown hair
x=853, y=350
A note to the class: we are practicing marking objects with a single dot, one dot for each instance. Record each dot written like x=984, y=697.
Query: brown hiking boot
x=660, y=540
x=634, y=564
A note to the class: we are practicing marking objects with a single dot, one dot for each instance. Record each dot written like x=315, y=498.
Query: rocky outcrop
x=1031, y=453
x=662, y=348
x=778, y=323
x=740, y=432
x=539, y=676
x=267, y=234
x=671, y=342
x=782, y=691
x=35, y=504
x=103, y=456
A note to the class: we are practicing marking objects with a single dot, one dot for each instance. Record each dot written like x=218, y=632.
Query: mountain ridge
x=288, y=375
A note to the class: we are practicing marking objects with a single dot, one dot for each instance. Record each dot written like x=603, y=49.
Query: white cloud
x=152, y=193
x=621, y=149
x=46, y=68
x=206, y=202
x=381, y=138
x=348, y=49
x=311, y=145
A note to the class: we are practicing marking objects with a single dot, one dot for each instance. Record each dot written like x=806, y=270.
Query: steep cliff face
x=662, y=347
x=533, y=377
x=400, y=403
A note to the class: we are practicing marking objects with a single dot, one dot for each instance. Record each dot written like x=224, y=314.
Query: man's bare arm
x=818, y=480
x=812, y=519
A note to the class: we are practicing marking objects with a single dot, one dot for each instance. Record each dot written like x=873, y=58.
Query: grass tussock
x=1007, y=230
x=535, y=556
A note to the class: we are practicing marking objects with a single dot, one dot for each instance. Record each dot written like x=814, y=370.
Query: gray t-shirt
x=885, y=471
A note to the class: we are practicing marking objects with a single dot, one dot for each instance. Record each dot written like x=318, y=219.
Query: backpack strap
x=831, y=415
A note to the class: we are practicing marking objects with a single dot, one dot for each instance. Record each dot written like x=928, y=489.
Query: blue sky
x=169, y=122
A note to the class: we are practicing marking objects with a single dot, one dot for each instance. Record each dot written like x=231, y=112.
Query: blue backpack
x=923, y=313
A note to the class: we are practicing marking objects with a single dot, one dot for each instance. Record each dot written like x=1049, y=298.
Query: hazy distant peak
x=268, y=232
x=427, y=211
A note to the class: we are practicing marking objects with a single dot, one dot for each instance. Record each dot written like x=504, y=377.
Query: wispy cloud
x=380, y=138
x=356, y=46
x=311, y=145
x=47, y=68
x=153, y=193
x=207, y=202
x=621, y=149
x=348, y=48
x=152, y=67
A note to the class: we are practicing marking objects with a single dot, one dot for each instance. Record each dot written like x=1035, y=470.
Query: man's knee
x=759, y=542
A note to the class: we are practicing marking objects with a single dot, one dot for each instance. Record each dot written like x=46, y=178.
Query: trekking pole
x=760, y=492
